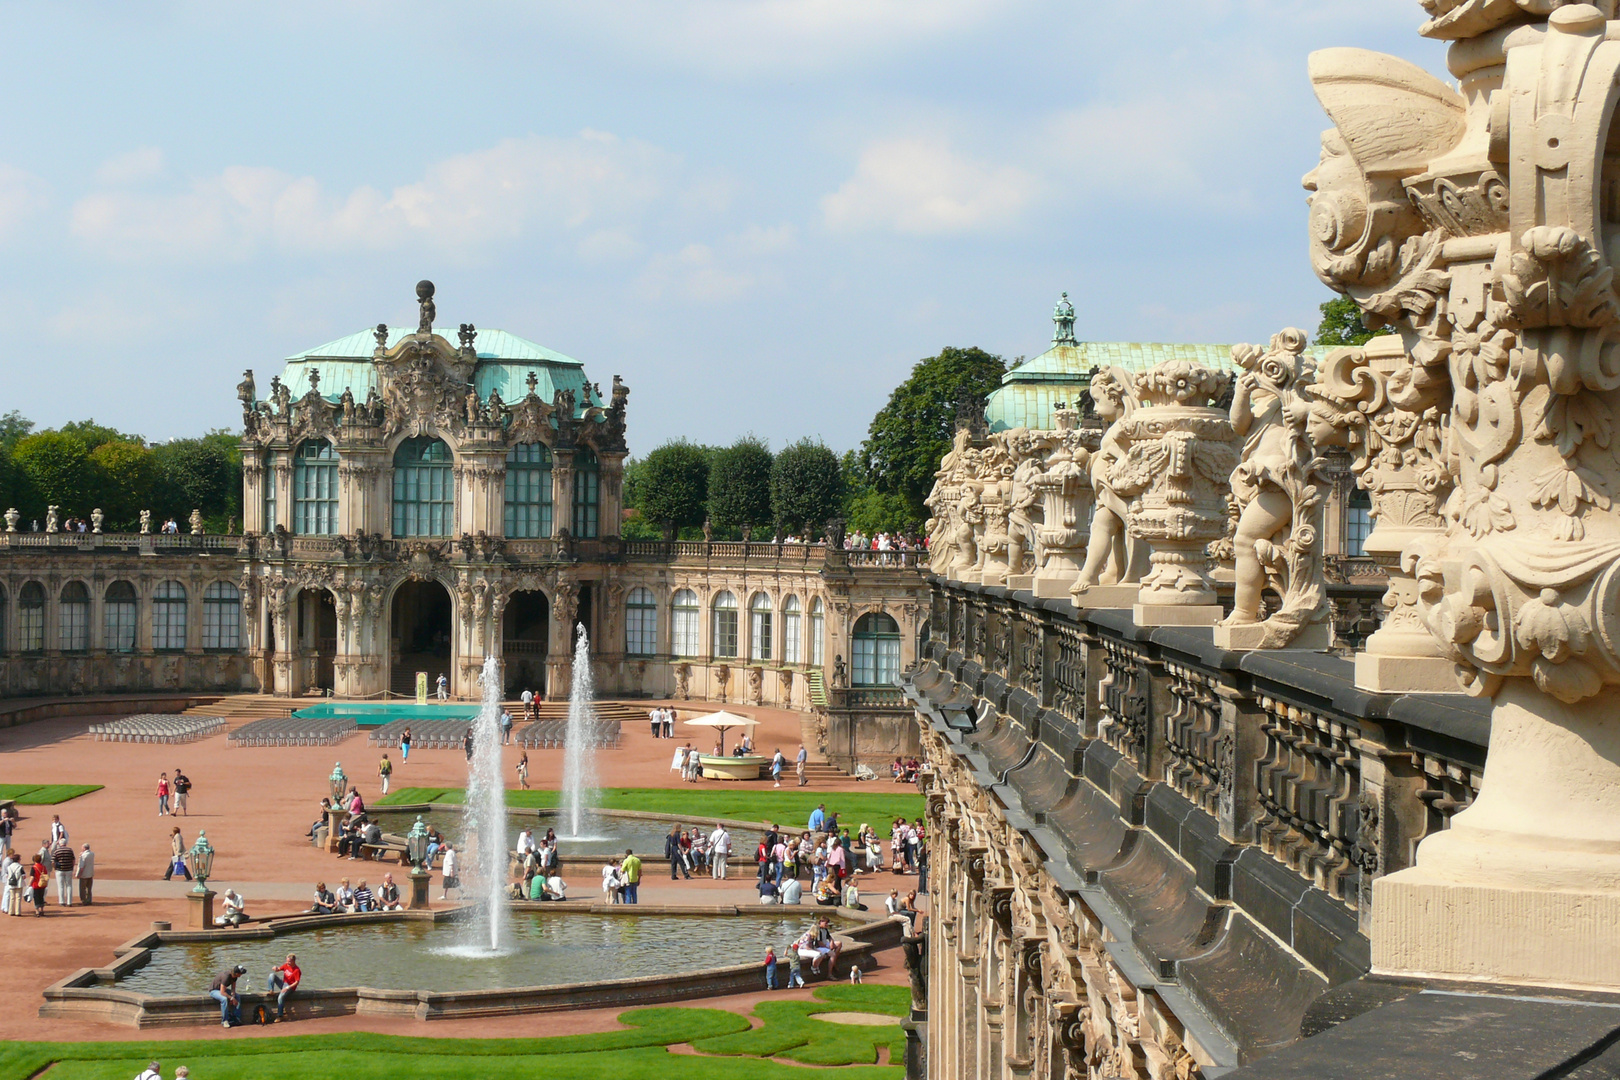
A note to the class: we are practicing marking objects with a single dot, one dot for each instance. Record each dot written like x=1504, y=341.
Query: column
x=562, y=491
x=610, y=492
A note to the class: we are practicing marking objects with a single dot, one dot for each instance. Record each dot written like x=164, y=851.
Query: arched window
x=269, y=484
x=315, y=489
x=641, y=623
x=73, y=622
x=877, y=651
x=528, y=490
x=169, y=617
x=759, y=627
x=723, y=640
x=1357, y=523
x=118, y=615
x=683, y=623
x=587, y=494
x=792, y=630
x=222, y=617
x=424, y=488
x=31, y=618
x=818, y=632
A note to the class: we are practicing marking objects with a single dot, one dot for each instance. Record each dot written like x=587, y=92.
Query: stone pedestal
x=1055, y=585
x=200, y=912
x=1525, y=885
x=420, y=880
x=1105, y=596
x=334, y=827
x=1317, y=637
x=1021, y=583
x=1176, y=614
x=1406, y=674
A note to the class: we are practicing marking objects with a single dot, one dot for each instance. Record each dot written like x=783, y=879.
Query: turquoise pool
x=375, y=714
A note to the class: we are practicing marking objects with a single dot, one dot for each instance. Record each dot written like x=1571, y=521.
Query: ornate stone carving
x=1113, y=556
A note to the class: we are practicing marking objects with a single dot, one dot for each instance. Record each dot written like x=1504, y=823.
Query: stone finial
x=532, y=381
x=1063, y=322
x=467, y=333
x=12, y=516
x=380, y=334
x=424, y=298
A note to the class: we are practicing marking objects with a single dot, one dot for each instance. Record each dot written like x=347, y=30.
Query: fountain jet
x=579, y=756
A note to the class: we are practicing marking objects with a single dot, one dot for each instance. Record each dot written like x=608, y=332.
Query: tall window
x=528, y=491
x=73, y=622
x=683, y=624
x=818, y=632
x=31, y=618
x=424, y=488
x=877, y=651
x=759, y=627
x=169, y=617
x=269, y=483
x=222, y=617
x=1357, y=523
x=641, y=623
x=792, y=631
x=118, y=613
x=724, y=638
x=315, y=489
x=587, y=494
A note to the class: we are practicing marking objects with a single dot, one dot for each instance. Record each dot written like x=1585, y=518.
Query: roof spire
x=1063, y=321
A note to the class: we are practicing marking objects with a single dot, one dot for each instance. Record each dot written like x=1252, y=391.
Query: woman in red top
x=283, y=981
x=163, y=794
x=37, y=877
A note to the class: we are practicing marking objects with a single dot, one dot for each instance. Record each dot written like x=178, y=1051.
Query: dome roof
x=505, y=362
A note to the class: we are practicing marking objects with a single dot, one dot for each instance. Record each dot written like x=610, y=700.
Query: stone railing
x=724, y=552
x=137, y=542
x=867, y=697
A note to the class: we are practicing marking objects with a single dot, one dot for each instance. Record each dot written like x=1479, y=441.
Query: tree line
x=85, y=466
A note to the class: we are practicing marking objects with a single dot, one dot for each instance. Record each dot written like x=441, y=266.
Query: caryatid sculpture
x=1277, y=493
x=1115, y=560
x=1481, y=226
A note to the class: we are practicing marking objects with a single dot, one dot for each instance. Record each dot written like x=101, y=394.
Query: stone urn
x=1176, y=477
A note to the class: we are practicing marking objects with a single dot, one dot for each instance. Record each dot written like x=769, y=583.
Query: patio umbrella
x=721, y=721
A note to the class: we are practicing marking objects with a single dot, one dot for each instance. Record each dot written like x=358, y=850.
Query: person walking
x=405, y=746
x=182, y=788
x=778, y=763
x=385, y=769
x=63, y=864
x=675, y=855
x=13, y=879
x=527, y=697
x=177, y=855
x=506, y=728
x=523, y=771
x=631, y=869
x=442, y=685
x=85, y=874
x=59, y=833
x=37, y=877
x=719, y=852
x=467, y=743
x=449, y=880
x=163, y=794
x=799, y=763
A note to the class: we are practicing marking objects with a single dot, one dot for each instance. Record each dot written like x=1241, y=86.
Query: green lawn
x=791, y=808
x=637, y=1053
x=45, y=794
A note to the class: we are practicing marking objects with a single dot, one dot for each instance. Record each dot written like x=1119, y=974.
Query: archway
x=525, y=640
x=317, y=637
x=419, y=635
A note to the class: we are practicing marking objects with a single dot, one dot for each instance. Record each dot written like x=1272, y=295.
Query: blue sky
x=759, y=212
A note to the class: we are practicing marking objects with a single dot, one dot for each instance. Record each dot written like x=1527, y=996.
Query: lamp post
x=200, y=859
x=339, y=784
x=416, y=845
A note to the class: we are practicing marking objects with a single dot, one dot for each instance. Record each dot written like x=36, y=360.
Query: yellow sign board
x=421, y=688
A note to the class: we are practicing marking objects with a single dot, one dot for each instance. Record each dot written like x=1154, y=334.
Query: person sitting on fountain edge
x=325, y=902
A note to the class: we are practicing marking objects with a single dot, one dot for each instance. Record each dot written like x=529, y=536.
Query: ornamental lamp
x=416, y=843
x=201, y=861
x=339, y=783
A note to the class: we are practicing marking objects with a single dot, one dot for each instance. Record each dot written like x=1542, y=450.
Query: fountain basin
x=606, y=832
x=138, y=989
x=733, y=768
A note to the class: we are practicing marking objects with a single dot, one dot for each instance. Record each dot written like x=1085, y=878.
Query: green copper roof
x=504, y=363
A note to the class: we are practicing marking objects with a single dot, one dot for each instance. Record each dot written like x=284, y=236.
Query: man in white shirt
x=655, y=721
x=719, y=851
x=525, y=842
x=791, y=891
x=85, y=873
x=527, y=698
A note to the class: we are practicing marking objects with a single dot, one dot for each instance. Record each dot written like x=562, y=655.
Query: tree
x=672, y=486
x=1341, y=324
x=740, y=484
x=55, y=470
x=200, y=474
x=806, y=486
x=93, y=434
x=124, y=474
x=872, y=512
x=911, y=434
x=14, y=427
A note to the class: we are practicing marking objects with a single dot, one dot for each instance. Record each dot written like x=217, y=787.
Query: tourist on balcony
x=177, y=855
x=325, y=902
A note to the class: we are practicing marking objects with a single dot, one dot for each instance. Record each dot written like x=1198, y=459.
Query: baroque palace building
x=415, y=505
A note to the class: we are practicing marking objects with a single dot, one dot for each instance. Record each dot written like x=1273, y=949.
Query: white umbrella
x=721, y=721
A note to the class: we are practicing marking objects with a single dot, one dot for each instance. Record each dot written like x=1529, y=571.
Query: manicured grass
x=635, y=1054
x=45, y=794
x=791, y=808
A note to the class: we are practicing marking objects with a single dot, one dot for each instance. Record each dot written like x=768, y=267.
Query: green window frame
x=723, y=637
x=876, y=651
x=424, y=488
x=315, y=489
x=528, y=491
x=587, y=495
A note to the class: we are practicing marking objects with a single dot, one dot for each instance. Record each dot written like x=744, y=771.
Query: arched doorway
x=525, y=640
x=419, y=635
x=317, y=637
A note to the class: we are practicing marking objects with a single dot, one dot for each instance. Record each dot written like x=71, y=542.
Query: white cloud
x=923, y=188
x=517, y=189
x=143, y=163
x=731, y=268
x=23, y=197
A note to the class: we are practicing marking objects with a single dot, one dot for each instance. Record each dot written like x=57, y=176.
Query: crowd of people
x=54, y=864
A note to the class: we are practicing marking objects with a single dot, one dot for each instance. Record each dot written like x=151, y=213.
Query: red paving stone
x=256, y=804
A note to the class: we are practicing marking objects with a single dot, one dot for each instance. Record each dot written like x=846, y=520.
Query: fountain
x=486, y=821
x=579, y=756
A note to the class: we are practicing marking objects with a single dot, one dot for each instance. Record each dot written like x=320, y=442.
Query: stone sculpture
x=1277, y=492
x=96, y=519
x=1115, y=560
x=50, y=519
x=196, y=523
x=146, y=522
x=1180, y=457
x=424, y=300
x=12, y=517
x=1025, y=508
x=1066, y=495
x=1477, y=224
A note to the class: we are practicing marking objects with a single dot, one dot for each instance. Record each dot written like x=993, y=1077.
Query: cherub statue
x=1112, y=557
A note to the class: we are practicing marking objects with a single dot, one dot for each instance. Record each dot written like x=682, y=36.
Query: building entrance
x=317, y=637
x=525, y=640
x=419, y=635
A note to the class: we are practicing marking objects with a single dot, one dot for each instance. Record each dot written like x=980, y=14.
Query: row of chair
x=294, y=731
x=551, y=734
x=157, y=728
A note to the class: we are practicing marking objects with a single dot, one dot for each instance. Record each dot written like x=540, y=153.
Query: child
x=770, y=967
x=795, y=976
